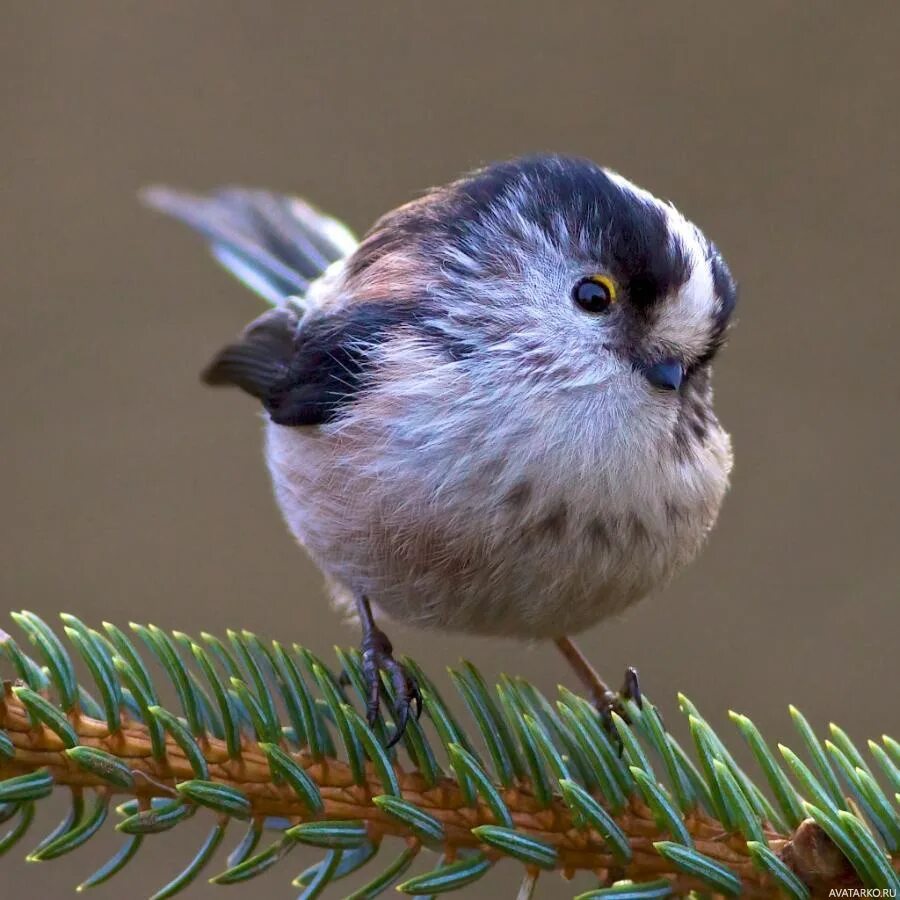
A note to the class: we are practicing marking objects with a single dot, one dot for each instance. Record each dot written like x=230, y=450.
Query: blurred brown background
x=131, y=492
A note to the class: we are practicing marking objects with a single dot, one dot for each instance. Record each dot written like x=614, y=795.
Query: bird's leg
x=377, y=656
x=604, y=698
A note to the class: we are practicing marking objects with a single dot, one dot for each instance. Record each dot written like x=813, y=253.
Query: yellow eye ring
x=608, y=283
x=595, y=294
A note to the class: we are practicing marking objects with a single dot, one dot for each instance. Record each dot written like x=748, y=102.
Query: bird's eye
x=595, y=294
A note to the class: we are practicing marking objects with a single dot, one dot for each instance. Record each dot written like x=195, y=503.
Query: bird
x=493, y=414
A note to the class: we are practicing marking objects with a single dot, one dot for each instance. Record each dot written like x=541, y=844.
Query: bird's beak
x=666, y=374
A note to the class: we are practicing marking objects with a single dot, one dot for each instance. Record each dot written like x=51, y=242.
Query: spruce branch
x=272, y=738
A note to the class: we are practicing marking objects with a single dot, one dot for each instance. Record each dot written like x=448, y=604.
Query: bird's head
x=564, y=269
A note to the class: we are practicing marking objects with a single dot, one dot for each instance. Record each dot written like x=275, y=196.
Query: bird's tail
x=276, y=245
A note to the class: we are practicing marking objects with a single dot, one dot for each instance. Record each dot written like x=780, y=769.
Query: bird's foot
x=377, y=657
x=607, y=702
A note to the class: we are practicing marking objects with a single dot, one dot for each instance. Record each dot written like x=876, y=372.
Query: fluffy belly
x=486, y=553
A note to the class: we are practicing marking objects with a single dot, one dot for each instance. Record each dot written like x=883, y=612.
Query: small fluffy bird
x=494, y=413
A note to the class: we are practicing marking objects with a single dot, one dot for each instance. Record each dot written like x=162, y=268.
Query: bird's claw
x=377, y=657
x=610, y=702
x=631, y=687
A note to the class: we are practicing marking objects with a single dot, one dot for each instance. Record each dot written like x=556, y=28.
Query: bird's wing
x=276, y=245
x=307, y=375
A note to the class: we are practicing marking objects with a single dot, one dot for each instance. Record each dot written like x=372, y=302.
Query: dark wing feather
x=260, y=358
x=333, y=362
x=307, y=375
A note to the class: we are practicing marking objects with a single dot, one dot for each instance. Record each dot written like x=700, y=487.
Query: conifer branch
x=272, y=737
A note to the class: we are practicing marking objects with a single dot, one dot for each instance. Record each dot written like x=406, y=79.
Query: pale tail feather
x=276, y=245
